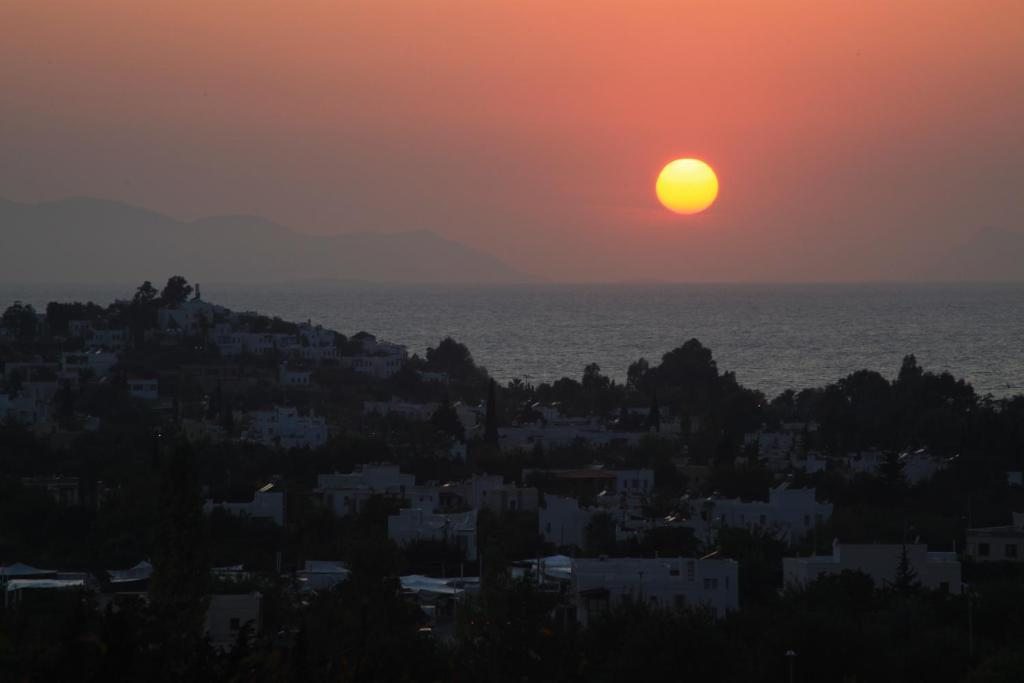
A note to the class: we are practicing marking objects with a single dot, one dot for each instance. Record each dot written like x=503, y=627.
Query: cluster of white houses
x=784, y=450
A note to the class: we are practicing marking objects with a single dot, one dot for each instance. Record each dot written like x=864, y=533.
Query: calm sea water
x=772, y=336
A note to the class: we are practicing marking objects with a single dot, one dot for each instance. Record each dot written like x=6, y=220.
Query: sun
x=687, y=186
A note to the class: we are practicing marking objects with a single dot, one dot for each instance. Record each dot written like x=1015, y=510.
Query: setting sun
x=687, y=186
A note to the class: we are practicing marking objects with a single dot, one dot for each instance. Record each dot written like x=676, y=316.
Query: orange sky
x=853, y=140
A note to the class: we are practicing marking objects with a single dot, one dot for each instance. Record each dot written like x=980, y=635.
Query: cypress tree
x=491, y=417
x=181, y=570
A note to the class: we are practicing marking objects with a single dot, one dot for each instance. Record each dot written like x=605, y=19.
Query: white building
x=294, y=376
x=107, y=340
x=99, y=363
x=346, y=494
x=316, y=343
x=377, y=358
x=227, y=615
x=491, y=492
x=558, y=435
x=188, y=317
x=285, y=427
x=413, y=524
x=598, y=585
x=145, y=388
x=940, y=571
x=317, y=575
x=417, y=412
x=563, y=522
x=267, y=503
x=790, y=514
x=997, y=543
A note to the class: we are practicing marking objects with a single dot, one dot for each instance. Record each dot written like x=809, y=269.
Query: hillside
x=92, y=240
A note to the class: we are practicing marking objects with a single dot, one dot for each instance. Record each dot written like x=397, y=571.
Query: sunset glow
x=687, y=186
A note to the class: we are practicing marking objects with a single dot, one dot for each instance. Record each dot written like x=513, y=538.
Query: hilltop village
x=272, y=500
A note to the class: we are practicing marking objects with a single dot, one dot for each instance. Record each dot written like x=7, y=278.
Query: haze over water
x=773, y=337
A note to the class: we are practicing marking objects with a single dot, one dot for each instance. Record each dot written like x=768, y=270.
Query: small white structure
x=601, y=584
x=997, y=543
x=227, y=615
x=267, y=503
x=939, y=571
x=413, y=524
x=145, y=388
x=285, y=427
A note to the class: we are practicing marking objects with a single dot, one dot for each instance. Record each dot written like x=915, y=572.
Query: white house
x=377, y=358
x=790, y=514
x=99, y=363
x=997, y=543
x=601, y=584
x=146, y=388
x=939, y=570
x=321, y=575
x=285, y=427
x=491, y=492
x=417, y=412
x=345, y=494
x=227, y=615
x=557, y=435
x=188, y=317
x=294, y=376
x=563, y=522
x=413, y=524
x=107, y=340
x=267, y=503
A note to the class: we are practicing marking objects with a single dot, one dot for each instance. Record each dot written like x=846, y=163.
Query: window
x=691, y=571
x=1011, y=550
x=673, y=572
x=983, y=550
x=763, y=520
x=710, y=584
x=944, y=586
x=807, y=520
x=235, y=624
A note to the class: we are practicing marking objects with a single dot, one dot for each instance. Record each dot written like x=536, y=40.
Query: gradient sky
x=853, y=140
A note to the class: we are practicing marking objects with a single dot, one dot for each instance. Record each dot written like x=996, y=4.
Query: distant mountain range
x=92, y=240
x=989, y=255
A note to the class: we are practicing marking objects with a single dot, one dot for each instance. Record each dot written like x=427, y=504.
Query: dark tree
x=21, y=320
x=491, y=417
x=906, y=576
x=891, y=469
x=654, y=415
x=446, y=420
x=176, y=291
x=181, y=570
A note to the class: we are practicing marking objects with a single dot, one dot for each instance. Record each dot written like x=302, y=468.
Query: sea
x=772, y=336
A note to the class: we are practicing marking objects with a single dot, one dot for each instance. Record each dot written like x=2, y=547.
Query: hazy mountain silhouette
x=989, y=255
x=93, y=240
